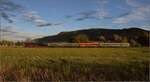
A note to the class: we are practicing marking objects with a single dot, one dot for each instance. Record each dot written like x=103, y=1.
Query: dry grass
x=74, y=64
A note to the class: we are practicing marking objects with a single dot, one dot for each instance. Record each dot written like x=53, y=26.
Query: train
x=91, y=44
x=66, y=44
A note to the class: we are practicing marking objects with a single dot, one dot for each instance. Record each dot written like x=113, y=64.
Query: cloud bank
x=9, y=10
x=10, y=33
x=98, y=14
x=140, y=12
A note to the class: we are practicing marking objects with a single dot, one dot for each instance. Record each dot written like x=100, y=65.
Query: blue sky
x=48, y=17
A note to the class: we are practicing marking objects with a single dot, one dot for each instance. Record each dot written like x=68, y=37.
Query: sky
x=22, y=19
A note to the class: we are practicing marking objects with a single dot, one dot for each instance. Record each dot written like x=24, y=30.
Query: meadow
x=74, y=64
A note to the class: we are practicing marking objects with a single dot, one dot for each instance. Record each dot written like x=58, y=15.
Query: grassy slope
x=74, y=64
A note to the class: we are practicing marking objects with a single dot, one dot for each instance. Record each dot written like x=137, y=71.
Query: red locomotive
x=93, y=44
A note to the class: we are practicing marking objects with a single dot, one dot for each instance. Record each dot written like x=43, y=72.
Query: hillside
x=133, y=35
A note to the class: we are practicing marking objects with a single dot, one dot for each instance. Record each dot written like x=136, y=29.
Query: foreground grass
x=72, y=64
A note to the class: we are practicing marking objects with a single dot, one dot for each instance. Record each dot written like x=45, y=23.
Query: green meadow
x=74, y=64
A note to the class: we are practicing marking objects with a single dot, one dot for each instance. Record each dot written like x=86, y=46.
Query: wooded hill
x=135, y=36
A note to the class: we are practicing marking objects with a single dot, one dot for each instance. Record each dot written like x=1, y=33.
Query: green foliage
x=81, y=38
x=7, y=43
x=102, y=39
x=124, y=40
x=19, y=43
x=116, y=38
x=134, y=43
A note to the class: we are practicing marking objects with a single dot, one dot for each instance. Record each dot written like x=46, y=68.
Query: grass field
x=72, y=64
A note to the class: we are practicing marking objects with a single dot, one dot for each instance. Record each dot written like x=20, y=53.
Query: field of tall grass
x=74, y=64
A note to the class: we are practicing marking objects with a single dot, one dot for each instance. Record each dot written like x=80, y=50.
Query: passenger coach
x=90, y=44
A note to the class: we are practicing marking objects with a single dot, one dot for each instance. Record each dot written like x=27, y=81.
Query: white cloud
x=33, y=16
x=132, y=3
x=103, y=1
x=18, y=36
x=101, y=14
x=139, y=13
x=10, y=33
x=8, y=9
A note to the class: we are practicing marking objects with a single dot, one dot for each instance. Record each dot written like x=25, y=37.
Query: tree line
x=115, y=39
x=6, y=43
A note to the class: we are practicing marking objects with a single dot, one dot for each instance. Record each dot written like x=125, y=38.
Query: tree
x=28, y=40
x=7, y=43
x=124, y=40
x=81, y=38
x=134, y=43
x=144, y=39
x=19, y=43
x=102, y=39
x=117, y=38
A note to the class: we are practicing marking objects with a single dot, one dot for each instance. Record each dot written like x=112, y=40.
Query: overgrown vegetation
x=72, y=64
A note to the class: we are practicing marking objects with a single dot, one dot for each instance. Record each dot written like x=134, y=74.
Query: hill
x=135, y=36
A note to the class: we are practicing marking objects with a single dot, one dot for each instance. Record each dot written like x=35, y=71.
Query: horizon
x=72, y=31
x=22, y=19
